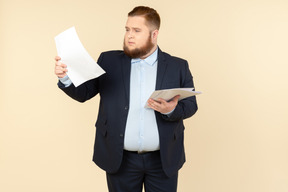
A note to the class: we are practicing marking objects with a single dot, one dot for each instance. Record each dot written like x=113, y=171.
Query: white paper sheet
x=81, y=66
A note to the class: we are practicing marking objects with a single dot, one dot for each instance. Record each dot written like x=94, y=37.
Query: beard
x=139, y=52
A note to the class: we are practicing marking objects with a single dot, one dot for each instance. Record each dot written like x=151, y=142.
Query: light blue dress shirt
x=141, y=133
x=66, y=81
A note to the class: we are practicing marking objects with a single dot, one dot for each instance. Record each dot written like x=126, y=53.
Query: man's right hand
x=60, y=68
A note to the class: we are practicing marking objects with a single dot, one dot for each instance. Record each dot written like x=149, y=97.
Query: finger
x=60, y=69
x=151, y=103
x=60, y=75
x=153, y=107
x=57, y=58
x=60, y=64
x=156, y=105
x=161, y=100
x=63, y=65
x=58, y=72
x=176, y=98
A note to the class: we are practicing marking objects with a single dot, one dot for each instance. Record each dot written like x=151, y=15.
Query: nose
x=130, y=35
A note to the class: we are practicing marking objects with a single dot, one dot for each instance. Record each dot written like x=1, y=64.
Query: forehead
x=136, y=22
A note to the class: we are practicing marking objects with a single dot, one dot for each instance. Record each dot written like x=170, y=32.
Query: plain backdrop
x=237, y=52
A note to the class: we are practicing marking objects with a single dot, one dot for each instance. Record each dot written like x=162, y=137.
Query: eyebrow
x=135, y=28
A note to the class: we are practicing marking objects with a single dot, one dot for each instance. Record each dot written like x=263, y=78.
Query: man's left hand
x=163, y=106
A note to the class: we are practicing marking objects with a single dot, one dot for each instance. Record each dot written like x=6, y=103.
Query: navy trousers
x=138, y=170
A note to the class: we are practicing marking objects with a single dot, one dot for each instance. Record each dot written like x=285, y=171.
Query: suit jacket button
x=121, y=135
x=126, y=107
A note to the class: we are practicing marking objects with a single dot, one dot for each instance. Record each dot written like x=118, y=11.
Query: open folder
x=168, y=94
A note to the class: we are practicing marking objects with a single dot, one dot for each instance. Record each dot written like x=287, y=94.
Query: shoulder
x=109, y=56
x=114, y=53
x=173, y=60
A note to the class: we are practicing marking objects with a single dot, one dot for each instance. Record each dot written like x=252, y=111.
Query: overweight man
x=137, y=146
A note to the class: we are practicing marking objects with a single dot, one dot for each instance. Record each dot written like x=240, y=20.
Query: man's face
x=139, y=41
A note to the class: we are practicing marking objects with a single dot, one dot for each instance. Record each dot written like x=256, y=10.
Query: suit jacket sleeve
x=186, y=107
x=84, y=91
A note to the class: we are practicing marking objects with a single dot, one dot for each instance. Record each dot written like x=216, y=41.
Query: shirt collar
x=149, y=60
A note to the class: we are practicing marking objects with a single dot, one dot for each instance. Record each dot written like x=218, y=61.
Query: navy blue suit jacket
x=114, y=88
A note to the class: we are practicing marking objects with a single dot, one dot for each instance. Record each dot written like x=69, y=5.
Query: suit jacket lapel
x=126, y=70
x=161, y=69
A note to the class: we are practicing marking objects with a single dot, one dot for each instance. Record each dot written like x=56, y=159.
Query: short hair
x=150, y=14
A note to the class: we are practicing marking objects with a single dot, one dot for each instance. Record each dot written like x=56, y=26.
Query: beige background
x=237, y=51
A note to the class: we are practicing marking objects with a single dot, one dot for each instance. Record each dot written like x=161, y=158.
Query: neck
x=150, y=52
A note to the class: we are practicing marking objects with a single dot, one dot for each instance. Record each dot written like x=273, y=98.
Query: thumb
x=57, y=58
x=176, y=98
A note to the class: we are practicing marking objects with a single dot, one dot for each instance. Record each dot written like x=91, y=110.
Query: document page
x=80, y=65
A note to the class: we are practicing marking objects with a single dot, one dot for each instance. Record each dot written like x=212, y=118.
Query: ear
x=154, y=35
